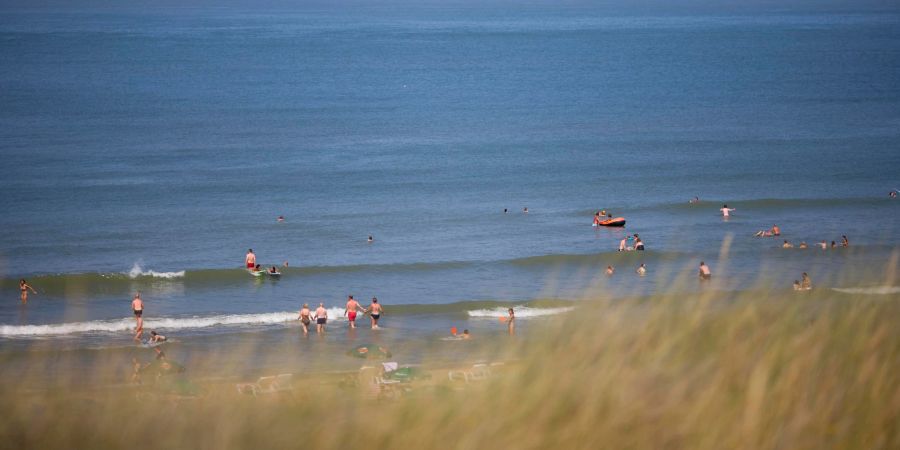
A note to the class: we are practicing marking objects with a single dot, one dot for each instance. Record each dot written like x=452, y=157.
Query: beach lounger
x=268, y=385
x=478, y=372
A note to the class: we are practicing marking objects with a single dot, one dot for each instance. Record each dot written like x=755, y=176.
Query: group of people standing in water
x=351, y=312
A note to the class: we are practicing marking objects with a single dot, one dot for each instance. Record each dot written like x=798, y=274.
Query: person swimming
x=844, y=241
x=525, y=210
x=610, y=270
x=726, y=211
x=787, y=244
x=280, y=218
x=695, y=200
x=370, y=239
x=638, y=243
x=273, y=270
x=642, y=270
x=156, y=337
x=805, y=282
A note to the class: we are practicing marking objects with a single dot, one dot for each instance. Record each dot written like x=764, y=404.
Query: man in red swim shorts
x=350, y=311
x=250, y=259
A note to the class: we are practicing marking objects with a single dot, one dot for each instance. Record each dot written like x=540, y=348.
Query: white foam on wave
x=876, y=290
x=521, y=312
x=162, y=323
x=138, y=271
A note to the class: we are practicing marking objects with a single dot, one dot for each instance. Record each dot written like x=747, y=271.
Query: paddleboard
x=276, y=274
x=258, y=274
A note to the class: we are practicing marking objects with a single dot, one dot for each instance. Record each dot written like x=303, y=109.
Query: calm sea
x=148, y=150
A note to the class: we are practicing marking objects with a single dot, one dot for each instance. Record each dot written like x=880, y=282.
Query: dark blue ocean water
x=170, y=140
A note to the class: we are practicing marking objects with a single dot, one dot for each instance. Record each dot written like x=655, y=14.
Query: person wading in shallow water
x=137, y=305
x=24, y=287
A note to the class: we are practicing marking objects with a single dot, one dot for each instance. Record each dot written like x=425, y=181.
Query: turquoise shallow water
x=149, y=149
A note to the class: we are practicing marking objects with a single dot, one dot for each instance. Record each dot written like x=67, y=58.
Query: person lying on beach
x=156, y=337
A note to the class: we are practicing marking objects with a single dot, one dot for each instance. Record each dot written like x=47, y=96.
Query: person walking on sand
x=642, y=270
x=24, y=287
x=350, y=310
x=705, y=273
x=321, y=318
x=250, y=259
x=726, y=211
x=304, y=318
x=137, y=306
x=511, y=322
x=374, y=311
